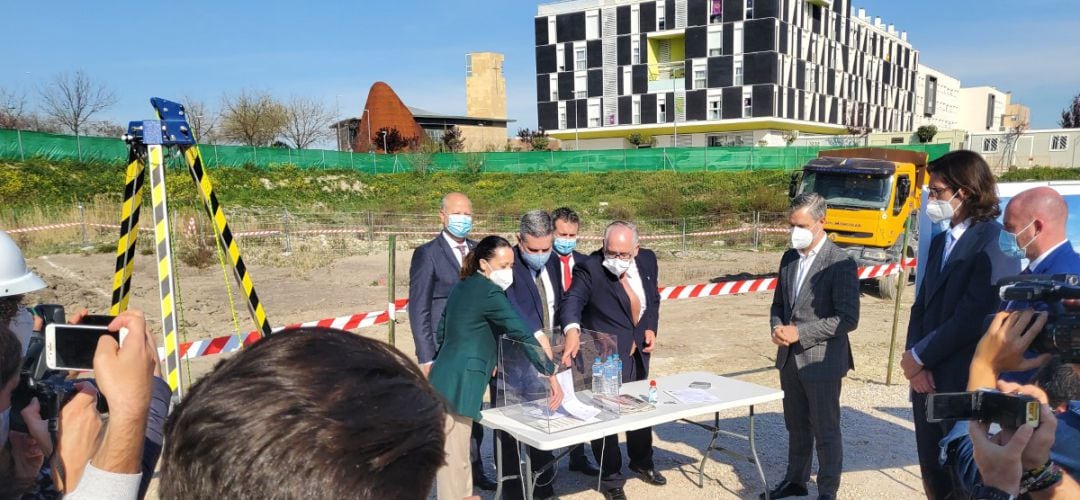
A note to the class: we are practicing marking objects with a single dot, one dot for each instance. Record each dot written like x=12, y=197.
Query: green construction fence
x=21, y=145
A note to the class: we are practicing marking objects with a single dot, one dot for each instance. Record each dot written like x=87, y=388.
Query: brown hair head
x=967, y=171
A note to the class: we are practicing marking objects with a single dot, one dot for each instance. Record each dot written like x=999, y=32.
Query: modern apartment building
x=717, y=72
x=937, y=99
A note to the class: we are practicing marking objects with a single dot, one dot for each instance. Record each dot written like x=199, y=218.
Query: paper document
x=570, y=403
x=692, y=396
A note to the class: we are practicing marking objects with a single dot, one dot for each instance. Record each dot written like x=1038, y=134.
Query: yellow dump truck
x=872, y=193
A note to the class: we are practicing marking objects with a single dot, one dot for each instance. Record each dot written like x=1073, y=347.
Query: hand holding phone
x=72, y=347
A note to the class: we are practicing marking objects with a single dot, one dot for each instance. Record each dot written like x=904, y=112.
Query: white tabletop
x=732, y=393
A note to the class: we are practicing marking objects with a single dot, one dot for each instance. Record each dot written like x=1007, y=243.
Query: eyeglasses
x=937, y=192
x=620, y=256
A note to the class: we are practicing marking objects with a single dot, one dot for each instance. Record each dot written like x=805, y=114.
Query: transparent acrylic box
x=523, y=392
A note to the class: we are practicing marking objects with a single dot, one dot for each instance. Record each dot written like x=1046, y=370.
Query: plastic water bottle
x=613, y=378
x=618, y=374
x=597, y=377
x=652, y=392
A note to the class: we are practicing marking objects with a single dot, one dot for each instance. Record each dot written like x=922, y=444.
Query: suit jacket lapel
x=620, y=293
x=961, y=250
x=448, y=251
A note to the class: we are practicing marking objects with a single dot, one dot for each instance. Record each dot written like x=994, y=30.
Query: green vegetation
x=40, y=184
x=1040, y=174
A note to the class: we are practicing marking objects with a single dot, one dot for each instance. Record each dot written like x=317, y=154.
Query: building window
x=1059, y=143
x=700, y=79
x=661, y=25
x=738, y=72
x=749, y=9
x=810, y=79
x=661, y=110
x=627, y=81
x=636, y=111
x=560, y=56
x=747, y=106
x=716, y=11
x=592, y=25
x=635, y=18
x=579, y=60
x=714, y=107
x=716, y=41
x=990, y=145
x=738, y=39
x=896, y=140
x=553, y=84
x=581, y=87
x=468, y=65
x=562, y=119
x=594, y=114
x=635, y=51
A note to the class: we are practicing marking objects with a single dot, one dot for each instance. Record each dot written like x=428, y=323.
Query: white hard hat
x=15, y=278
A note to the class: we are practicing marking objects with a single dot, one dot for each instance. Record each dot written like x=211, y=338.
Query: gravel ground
x=723, y=335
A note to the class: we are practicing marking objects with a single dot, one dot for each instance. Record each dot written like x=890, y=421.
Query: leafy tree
x=926, y=133
x=452, y=140
x=1070, y=116
x=390, y=140
x=535, y=140
x=72, y=99
x=252, y=119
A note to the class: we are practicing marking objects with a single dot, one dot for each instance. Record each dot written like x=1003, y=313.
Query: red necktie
x=567, y=276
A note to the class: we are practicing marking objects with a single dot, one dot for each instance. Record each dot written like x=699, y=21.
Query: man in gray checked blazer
x=815, y=306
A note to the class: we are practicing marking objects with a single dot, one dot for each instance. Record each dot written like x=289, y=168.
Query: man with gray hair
x=615, y=291
x=815, y=306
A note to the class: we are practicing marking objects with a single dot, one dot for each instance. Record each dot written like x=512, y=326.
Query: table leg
x=753, y=451
x=708, y=451
x=498, y=465
x=530, y=480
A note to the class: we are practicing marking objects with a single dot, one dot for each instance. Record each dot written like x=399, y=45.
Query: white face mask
x=939, y=210
x=801, y=238
x=617, y=266
x=502, y=277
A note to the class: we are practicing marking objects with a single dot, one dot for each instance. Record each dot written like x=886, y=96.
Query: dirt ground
x=724, y=335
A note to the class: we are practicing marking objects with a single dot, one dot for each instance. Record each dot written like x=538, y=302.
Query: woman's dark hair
x=484, y=250
x=967, y=170
x=10, y=355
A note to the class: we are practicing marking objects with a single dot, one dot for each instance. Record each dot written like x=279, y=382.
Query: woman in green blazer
x=477, y=313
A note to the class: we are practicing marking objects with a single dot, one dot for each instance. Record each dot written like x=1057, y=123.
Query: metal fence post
x=78, y=146
x=371, y=232
x=684, y=234
x=285, y=226
x=757, y=229
x=22, y=154
x=390, y=309
x=82, y=217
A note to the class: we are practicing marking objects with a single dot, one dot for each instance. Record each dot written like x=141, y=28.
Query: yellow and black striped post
x=225, y=236
x=129, y=231
x=166, y=279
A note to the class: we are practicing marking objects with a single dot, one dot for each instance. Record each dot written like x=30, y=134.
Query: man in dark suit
x=615, y=291
x=432, y=273
x=567, y=223
x=1035, y=228
x=958, y=291
x=535, y=294
x=815, y=306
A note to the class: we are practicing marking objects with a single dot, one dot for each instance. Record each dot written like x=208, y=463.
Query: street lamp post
x=368, y=113
x=577, y=118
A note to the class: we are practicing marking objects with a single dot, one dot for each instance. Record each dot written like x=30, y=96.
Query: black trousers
x=639, y=443
x=812, y=419
x=937, y=481
x=474, y=448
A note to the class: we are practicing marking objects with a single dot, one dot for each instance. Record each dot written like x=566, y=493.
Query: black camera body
x=52, y=388
x=1061, y=335
x=1007, y=410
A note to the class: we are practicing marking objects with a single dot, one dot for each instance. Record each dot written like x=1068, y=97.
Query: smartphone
x=71, y=347
x=97, y=320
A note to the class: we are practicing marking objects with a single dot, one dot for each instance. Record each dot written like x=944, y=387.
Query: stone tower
x=485, y=87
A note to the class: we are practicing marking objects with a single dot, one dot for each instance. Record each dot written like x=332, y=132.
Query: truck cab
x=871, y=193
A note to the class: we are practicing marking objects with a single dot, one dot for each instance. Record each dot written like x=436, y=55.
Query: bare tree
x=1008, y=154
x=252, y=119
x=203, y=121
x=307, y=122
x=72, y=99
x=105, y=128
x=12, y=108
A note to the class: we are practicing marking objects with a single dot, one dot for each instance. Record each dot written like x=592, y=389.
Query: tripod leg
x=129, y=232
x=166, y=275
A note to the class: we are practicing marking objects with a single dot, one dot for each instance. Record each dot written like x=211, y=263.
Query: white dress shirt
x=454, y=247
x=805, y=261
x=953, y=235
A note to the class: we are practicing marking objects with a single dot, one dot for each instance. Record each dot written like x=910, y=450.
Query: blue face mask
x=565, y=245
x=1009, y=247
x=459, y=225
x=535, y=261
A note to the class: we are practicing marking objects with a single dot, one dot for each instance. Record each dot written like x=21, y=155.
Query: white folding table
x=731, y=393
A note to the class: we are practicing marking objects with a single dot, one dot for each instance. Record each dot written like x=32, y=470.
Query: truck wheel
x=887, y=285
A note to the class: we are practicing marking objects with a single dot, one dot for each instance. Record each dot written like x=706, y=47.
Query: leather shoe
x=481, y=480
x=786, y=489
x=615, y=494
x=651, y=476
x=584, y=466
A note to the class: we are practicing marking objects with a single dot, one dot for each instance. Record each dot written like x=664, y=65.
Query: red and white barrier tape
x=230, y=343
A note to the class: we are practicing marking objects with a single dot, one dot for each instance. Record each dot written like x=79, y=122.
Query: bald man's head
x=1037, y=217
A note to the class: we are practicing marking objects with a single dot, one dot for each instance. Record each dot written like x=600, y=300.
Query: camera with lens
x=1061, y=335
x=52, y=388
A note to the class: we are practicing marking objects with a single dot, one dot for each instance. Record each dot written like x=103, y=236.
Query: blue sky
x=336, y=50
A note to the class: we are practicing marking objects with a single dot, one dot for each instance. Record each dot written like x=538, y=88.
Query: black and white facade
x=713, y=72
